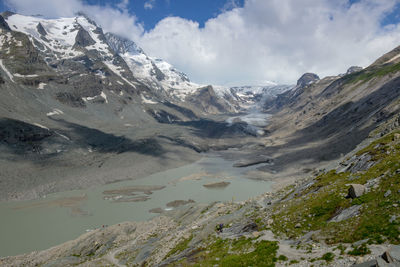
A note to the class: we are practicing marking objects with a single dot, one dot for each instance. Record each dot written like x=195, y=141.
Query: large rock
x=356, y=190
x=306, y=79
x=392, y=255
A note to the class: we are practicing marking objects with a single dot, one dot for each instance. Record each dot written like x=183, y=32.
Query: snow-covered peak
x=122, y=45
x=58, y=37
x=154, y=72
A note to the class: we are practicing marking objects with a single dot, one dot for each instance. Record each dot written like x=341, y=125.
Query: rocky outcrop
x=13, y=132
x=353, y=69
x=306, y=79
x=346, y=214
x=356, y=163
x=83, y=38
x=3, y=24
x=41, y=30
x=207, y=101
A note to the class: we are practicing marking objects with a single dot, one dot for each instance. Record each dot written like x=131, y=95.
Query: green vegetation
x=282, y=258
x=239, y=252
x=313, y=208
x=180, y=247
x=360, y=250
x=328, y=257
x=368, y=74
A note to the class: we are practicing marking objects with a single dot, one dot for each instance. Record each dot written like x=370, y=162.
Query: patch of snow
x=117, y=70
x=41, y=86
x=63, y=136
x=6, y=71
x=89, y=98
x=121, y=83
x=103, y=95
x=25, y=76
x=100, y=74
x=128, y=125
x=41, y=126
x=5, y=38
x=55, y=112
x=60, y=36
x=148, y=101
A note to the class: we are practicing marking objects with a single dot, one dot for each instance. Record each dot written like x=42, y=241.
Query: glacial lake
x=26, y=226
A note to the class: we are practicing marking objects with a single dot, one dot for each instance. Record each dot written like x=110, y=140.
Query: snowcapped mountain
x=154, y=72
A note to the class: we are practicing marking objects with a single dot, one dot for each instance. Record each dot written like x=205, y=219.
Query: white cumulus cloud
x=270, y=40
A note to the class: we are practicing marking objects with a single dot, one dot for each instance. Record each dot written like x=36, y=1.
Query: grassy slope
x=312, y=208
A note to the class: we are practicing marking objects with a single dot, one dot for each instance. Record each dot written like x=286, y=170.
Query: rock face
x=356, y=190
x=357, y=163
x=353, y=69
x=83, y=38
x=306, y=79
x=207, y=101
x=3, y=24
x=40, y=29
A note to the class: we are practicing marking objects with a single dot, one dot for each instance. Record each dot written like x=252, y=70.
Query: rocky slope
x=311, y=222
x=74, y=98
x=334, y=141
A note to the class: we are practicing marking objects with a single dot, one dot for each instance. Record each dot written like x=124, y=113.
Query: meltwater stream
x=39, y=224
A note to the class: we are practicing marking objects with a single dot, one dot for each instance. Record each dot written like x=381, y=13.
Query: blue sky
x=150, y=12
x=243, y=42
x=196, y=10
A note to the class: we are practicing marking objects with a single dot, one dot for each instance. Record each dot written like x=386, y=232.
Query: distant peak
x=6, y=14
x=353, y=69
x=84, y=15
x=306, y=79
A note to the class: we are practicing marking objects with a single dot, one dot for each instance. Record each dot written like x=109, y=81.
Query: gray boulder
x=306, y=79
x=388, y=193
x=356, y=190
x=392, y=255
x=372, y=263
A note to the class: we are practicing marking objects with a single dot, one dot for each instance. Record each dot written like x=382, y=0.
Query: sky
x=243, y=42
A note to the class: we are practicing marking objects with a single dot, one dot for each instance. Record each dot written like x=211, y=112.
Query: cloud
x=262, y=40
x=149, y=4
x=114, y=19
x=229, y=5
x=123, y=4
x=276, y=40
